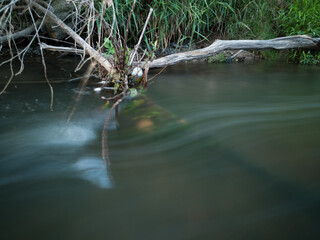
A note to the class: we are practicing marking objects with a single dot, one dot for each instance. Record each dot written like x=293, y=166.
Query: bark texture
x=291, y=42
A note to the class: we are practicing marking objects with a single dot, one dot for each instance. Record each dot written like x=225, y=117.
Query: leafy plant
x=109, y=47
x=302, y=17
x=220, y=58
x=309, y=58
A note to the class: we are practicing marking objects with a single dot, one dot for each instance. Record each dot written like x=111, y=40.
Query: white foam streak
x=94, y=170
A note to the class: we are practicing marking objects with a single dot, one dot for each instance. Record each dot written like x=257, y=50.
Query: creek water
x=224, y=151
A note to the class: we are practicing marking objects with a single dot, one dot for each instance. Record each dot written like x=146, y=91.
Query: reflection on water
x=212, y=152
x=32, y=158
x=95, y=171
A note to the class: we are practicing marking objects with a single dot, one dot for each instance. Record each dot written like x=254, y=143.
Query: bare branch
x=60, y=49
x=21, y=34
x=11, y=70
x=291, y=42
x=104, y=143
x=41, y=51
x=83, y=84
x=9, y=5
x=140, y=39
x=92, y=52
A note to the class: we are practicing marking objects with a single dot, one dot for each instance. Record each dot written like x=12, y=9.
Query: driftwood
x=291, y=42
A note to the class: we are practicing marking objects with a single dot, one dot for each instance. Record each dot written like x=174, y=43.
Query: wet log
x=291, y=42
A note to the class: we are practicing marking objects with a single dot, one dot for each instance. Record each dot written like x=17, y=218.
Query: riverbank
x=176, y=26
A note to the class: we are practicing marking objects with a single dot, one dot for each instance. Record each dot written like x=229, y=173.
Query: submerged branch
x=104, y=142
x=84, y=82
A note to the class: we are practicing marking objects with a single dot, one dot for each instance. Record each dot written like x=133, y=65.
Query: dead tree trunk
x=291, y=42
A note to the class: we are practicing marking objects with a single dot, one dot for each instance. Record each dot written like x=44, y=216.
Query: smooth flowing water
x=208, y=152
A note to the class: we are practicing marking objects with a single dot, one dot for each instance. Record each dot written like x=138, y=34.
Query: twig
x=126, y=36
x=21, y=54
x=140, y=39
x=78, y=78
x=41, y=51
x=234, y=55
x=91, y=51
x=104, y=142
x=61, y=49
x=11, y=69
x=9, y=5
x=85, y=77
x=21, y=33
x=158, y=73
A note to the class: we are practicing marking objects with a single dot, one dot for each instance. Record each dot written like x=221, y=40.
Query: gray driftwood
x=291, y=42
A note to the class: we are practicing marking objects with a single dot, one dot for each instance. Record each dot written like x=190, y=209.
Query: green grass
x=302, y=17
x=190, y=20
x=253, y=19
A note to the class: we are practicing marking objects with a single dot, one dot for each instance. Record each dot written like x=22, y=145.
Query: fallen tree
x=290, y=42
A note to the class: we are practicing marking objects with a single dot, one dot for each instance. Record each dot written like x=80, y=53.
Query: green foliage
x=133, y=92
x=109, y=47
x=302, y=17
x=220, y=58
x=271, y=55
x=134, y=104
x=187, y=20
x=253, y=19
x=308, y=57
x=116, y=86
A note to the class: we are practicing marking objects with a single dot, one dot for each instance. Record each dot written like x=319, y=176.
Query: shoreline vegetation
x=118, y=41
x=176, y=26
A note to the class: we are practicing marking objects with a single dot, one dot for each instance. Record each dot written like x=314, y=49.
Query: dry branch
x=91, y=51
x=298, y=41
x=21, y=34
x=61, y=49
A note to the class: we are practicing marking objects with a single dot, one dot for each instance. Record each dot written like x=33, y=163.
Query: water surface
x=225, y=151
